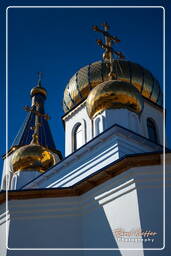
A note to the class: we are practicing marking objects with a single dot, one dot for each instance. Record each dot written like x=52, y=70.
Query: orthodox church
x=106, y=195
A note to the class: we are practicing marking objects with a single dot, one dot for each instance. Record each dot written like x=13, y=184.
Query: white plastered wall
x=7, y=174
x=156, y=114
x=91, y=220
x=15, y=180
x=78, y=116
x=109, y=117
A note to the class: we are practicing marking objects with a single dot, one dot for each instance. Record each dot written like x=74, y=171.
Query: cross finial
x=106, y=26
x=39, y=83
x=35, y=136
x=109, y=52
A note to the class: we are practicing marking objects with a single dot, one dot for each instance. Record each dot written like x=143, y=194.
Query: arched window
x=6, y=182
x=97, y=126
x=78, y=136
x=14, y=182
x=152, y=133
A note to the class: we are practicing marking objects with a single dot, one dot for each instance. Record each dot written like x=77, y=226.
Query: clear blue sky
x=58, y=42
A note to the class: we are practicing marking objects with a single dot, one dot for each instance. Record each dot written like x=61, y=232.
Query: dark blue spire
x=24, y=136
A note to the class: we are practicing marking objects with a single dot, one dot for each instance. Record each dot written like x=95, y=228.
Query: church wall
x=117, y=116
x=128, y=201
x=15, y=180
x=44, y=219
x=99, y=124
x=4, y=225
x=102, y=154
x=109, y=117
x=151, y=206
x=157, y=116
x=71, y=121
x=98, y=153
x=6, y=174
x=22, y=177
x=134, y=122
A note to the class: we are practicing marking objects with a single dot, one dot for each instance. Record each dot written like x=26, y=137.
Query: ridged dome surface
x=91, y=75
x=114, y=94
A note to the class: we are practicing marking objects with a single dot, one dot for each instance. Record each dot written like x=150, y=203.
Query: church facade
x=106, y=196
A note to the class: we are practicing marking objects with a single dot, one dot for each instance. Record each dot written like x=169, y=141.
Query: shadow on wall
x=120, y=205
x=150, y=201
x=59, y=223
x=107, y=217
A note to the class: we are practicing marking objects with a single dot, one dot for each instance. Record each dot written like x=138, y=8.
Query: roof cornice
x=108, y=172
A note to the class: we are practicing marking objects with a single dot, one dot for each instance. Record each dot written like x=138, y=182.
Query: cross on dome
x=39, y=83
x=35, y=136
x=109, y=52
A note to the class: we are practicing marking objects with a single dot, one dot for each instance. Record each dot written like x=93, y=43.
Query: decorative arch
x=152, y=130
x=14, y=182
x=98, y=125
x=78, y=135
x=6, y=182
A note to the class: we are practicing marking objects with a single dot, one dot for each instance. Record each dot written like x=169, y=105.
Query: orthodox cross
x=107, y=46
x=35, y=136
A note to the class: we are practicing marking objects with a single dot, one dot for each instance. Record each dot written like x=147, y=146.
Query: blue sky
x=59, y=41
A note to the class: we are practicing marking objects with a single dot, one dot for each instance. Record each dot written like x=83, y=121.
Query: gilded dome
x=96, y=73
x=33, y=157
x=38, y=90
x=114, y=94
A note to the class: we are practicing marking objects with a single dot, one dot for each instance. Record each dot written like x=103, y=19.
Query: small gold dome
x=38, y=90
x=33, y=157
x=114, y=94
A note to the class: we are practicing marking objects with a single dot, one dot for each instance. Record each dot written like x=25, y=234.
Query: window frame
x=152, y=128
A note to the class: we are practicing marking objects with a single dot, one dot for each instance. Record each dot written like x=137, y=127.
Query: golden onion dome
x=96, y=73
x=38, y=90
x=114, y=94
x=33, y=157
